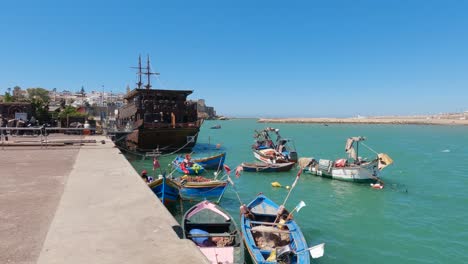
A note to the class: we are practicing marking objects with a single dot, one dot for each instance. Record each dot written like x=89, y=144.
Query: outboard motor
x=293, y=156
x=284, y=255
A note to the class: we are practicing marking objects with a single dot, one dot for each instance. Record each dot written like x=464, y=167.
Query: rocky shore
x=448, y=119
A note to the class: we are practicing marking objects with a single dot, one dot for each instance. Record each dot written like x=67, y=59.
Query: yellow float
x=275, y=184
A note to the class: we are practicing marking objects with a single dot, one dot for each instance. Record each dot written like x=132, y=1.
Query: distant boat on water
x=353, y=169
x=280, y=151
x=216, y=127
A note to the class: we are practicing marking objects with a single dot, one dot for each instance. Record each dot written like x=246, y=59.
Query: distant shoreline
x=372, y=120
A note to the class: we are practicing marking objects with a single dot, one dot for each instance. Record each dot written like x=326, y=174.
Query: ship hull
x=164, y=139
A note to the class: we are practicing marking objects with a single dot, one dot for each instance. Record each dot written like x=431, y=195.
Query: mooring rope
x=186, y=144
x=369, y=148
x=144, y=155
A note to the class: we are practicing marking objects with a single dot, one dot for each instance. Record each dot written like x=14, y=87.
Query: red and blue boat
x=186, y=166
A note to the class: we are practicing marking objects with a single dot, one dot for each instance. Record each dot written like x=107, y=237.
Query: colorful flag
x=239, y=169
x=300, y=205
x=297, y=178
x=227, y=169
x=183, y=168
x=317, y=251
x=155, y=163
x=230, y=181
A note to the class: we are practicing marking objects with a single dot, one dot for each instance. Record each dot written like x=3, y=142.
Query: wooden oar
x=315, y=251
x=234, y=187
x=289, y=192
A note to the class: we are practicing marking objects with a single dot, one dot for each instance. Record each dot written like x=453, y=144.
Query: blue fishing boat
x=215, y=162
x=187, y=166
x=271, y=237
x=166, y=189
x=198, y=188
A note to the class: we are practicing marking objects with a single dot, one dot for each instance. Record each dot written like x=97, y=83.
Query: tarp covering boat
x=384, y=160
x=349, y=148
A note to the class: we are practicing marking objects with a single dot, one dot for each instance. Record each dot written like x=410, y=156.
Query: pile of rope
x=195, y=178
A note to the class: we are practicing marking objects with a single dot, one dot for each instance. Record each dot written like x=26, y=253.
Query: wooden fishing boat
x=215, y=233
x=267, y=167
x=166, y=189
x=269, y=240
x=198, y=188
x=354, y=168
x=187, y=167
x=214, y=162
x=280, y=151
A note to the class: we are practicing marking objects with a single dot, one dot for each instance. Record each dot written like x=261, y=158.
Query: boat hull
x=165, y=189
x=267, y=167
x=215, y=222
x=215, y=162
x=263, y=214
x=199, y=191
x=360, y=174
x=271, y=156
x=167, y=139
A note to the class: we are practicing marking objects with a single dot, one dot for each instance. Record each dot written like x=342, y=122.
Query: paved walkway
x=83, y=205
x=32, y=181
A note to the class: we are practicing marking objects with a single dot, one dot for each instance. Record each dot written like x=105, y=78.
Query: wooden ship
x=156, y=118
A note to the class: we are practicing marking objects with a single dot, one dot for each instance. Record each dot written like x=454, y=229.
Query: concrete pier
x=83, y=204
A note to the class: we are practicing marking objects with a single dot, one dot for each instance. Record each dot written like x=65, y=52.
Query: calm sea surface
x=420, y=217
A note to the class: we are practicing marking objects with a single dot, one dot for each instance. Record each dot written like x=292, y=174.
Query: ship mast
x=139, y=83
x=148, y=73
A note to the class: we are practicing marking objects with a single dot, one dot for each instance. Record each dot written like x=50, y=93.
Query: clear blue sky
x=249, y=58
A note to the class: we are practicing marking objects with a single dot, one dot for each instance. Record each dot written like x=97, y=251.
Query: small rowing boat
x=166, y=189
x=269, y=237
x=214, y=162
x=215, y=233
x=199, y=188
x=187, y=166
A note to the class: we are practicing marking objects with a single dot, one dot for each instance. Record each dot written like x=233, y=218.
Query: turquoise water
x=421, y=216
